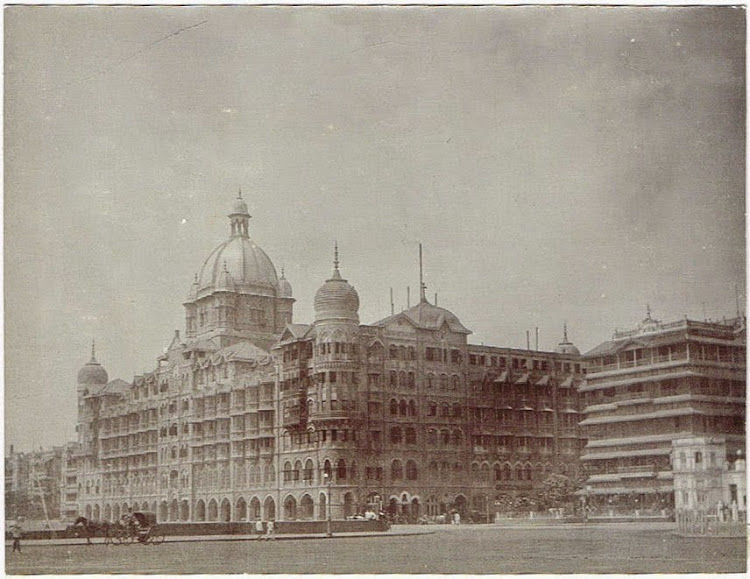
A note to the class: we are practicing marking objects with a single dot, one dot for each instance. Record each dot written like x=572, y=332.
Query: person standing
x=259, y=529
x=270, y=531
x=17, y=533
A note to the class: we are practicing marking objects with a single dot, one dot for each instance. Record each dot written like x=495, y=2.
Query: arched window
x=456, y=382
x=297, y=469
x=445, y=437
x=457, y=412
x=411, y=435
x=431, y=409
x=393, y=378
x=402, y=352
x=412, y=353
x=498, y=472
x=430, y=380
x=392, y=352
x=308, y=473
x=341, y=470
x=412, y=408
x=444, y=381
x=458, y=438
x=445, y=409
x=397, y=470
x=432, y=437
x=410, y=380
x=411, y=470
x=527, y=472
x=287, y=471
x=402, y=408
x=396, y=435
x=402, y=379
x=394, y=407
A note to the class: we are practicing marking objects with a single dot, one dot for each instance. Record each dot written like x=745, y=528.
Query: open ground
x=473, y=549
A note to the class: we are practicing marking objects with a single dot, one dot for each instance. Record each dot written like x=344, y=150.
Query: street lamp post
x=327, y=478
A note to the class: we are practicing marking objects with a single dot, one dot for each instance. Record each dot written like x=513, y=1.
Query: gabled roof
x=114, y=388
x=294, y=332
x=426, y=316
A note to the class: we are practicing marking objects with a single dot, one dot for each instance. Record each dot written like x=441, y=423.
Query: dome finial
x=565, y=332
x=239, y=217
x=239, y=192
x=336, y=272
x=422, y=285
x=648, y=311
x=93, y=350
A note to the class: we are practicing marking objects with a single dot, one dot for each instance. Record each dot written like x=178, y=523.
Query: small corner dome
x=285, y=288
x=92, y=374
x=567, y=348
x=336, y=299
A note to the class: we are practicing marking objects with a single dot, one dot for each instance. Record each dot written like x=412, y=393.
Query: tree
x=556, y=491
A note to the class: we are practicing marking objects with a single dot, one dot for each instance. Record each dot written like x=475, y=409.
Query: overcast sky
x=557, y=164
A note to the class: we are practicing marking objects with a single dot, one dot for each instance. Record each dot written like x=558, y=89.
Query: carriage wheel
x=157, y=537
x=125, y=538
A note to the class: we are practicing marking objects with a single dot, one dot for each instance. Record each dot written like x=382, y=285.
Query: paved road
x=464, y=549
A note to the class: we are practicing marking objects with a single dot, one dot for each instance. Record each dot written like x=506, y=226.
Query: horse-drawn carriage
x=139, y=526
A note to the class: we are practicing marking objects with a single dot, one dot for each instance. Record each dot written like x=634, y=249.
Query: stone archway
x=255, y=514
x=163, y=511
x=307, y=508
x=184, y=511
x=323, y=509
x=226, y=511
x=213, y=510
x=269, y=509
x=290, y=508
x=240, y=510
x=200, y=510
x=173, y=509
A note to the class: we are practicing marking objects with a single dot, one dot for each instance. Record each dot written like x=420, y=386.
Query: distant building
x=32, y=483
x=649, y=388
x=252, y=416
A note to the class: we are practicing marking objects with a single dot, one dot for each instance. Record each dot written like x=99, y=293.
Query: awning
x=523, y=379
x=567, y=383
x=502, y=378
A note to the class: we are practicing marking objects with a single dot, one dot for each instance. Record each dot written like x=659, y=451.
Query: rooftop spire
x=565, y=332
x=93, y=350
x=336, y=272
x=422, y=286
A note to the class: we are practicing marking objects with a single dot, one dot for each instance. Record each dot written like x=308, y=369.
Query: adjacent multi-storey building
x=650, y=387
x=252, y=416
x=32, y=483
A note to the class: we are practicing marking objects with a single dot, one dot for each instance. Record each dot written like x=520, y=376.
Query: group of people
x=269, y=531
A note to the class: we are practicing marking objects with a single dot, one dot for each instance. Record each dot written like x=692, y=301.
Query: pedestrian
x=457, y=518
x=259, y=529
x=17, y=533
x=270, y=531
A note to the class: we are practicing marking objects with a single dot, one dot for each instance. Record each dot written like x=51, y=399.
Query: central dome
x=237, y=264
x=247, y=264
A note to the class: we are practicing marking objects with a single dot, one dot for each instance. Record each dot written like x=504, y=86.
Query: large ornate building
x=252, y=416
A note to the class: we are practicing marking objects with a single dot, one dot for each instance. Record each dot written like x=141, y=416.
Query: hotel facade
x=252, y=416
